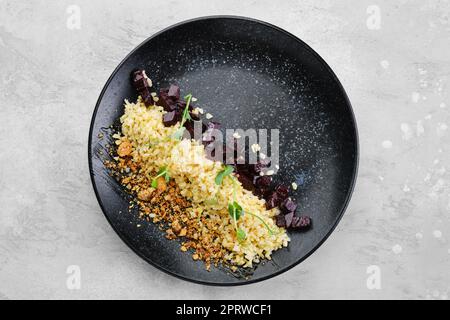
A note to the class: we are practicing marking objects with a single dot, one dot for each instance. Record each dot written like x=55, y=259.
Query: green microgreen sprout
x=185, y=117
x=223, y=173
x=163, y=172
x=234, y=208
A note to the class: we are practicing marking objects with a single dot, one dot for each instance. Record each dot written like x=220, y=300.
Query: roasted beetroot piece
x=262, y=192
x=289, y=217
x=244, y=168
x=288, y=206
x=262, y=182
x=146, y=97
x=273, y=200
x=171, y=118
x=140, y=80
x=294, y=221
x=246, y=181
x=282, y=191
x=142, y=84
x=301, y=223
x=167, y=102
x=174, y=92
x=181, y=104
x=280, y=221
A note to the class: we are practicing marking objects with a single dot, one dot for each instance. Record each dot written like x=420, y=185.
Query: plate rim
x=354, y=173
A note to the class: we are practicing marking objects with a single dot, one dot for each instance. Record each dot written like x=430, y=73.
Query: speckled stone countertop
x=392, y=58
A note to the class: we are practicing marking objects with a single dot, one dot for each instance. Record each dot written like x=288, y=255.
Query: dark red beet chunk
x=262, y=192
x=142, y=85
x=262, y=182
x=167, y=102
x=139, y=80
x=288, y=206
x=282, y=191
x=174, y=92
x=246, y=181
x=273, y=200
x=289, y=217
x=301, y=223
x=280, y=221
x=171, y=118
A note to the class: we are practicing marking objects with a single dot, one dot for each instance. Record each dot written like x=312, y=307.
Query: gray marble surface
x=391, y=56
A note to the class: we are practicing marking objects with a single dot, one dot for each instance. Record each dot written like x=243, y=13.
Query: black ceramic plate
x=249, y=74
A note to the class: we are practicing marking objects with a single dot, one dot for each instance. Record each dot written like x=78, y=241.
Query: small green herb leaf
x=222, y=174
x=163, y=172
x=235, y=210
x=185, y=117
x=240, y=234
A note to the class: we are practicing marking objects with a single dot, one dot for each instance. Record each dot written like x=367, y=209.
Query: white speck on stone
x=441, y=129
x=437, y=234
x=262, y=155
x=294, y=186
x=381, y=178
x=193, y=99
x=438, y=186
x=436, y=161
x=236, y=135
x=270, y=172
x=397, y=249
x=415, y=96
x=427, y=177
x=442, y=105
x=406, y=131
x=277, y=167
x=208, y=116
x=387, y=144
x=384, y=64
x=419, y=128
x=406, y=188
x=422, y=71
x=419, y=235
